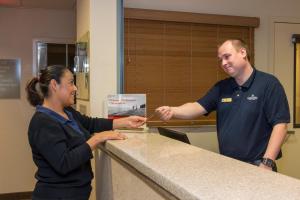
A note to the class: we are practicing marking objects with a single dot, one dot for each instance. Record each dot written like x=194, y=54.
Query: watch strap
x=268, y=162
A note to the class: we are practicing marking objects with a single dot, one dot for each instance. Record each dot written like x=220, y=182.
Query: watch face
x=268, y=162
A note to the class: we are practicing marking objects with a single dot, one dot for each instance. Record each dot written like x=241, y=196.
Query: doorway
x=283, y=69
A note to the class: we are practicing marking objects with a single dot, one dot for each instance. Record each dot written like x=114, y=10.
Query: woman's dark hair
x=37, y=88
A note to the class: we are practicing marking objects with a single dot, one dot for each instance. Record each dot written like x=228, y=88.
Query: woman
x=62, y=139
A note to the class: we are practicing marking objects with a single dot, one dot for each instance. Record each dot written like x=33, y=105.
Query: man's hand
x=165, y=112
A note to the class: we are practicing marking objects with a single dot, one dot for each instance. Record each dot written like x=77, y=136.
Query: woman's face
x=66, y=90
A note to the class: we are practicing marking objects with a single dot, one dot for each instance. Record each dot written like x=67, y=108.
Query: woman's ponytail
x=34, y=95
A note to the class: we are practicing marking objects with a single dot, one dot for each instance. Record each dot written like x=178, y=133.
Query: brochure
x=124, y=105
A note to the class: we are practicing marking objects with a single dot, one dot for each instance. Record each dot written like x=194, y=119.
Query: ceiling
x=46, y=4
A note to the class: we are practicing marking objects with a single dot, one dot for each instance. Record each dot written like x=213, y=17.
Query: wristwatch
x=268, y=162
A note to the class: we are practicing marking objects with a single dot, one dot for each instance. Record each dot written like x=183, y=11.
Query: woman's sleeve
x=92, y=124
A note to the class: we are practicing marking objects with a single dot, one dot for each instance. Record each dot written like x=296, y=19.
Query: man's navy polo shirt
x=71, y=121
x=246, y=114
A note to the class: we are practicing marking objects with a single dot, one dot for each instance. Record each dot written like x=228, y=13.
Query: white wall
x=82, y=17
x=103, y=53
x=18, y=28
x=265, y=10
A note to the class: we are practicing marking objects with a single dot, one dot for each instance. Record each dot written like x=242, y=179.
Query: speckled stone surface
x=189, y=172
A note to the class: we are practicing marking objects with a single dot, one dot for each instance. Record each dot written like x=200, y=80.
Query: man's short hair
x=239, y=44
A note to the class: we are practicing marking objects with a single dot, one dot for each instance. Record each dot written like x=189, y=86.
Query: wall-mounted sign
x=10, y=75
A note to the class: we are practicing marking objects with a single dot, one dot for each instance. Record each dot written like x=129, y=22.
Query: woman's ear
x=53, y=85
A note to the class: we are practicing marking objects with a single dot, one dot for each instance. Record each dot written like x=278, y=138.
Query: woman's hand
x=129, y=122
x=103, y=136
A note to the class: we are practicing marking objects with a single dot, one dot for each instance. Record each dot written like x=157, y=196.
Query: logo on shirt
x=252, y=97
x=226, y=100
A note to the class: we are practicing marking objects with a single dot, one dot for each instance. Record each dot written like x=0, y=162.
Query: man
x=252, y=109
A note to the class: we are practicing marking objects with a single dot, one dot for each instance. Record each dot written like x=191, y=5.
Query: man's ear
x=244, y=53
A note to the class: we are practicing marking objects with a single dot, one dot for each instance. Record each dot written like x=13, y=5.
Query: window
x=54, y=54
x=174, y=61
x=296, y=40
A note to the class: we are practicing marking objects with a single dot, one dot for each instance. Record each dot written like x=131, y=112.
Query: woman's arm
x=129, y=122
x=92, y=124
x=102, y=137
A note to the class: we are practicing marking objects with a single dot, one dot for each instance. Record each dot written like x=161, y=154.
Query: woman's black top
x=61, y=154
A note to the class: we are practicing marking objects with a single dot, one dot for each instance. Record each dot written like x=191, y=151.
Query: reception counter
x=150, y=166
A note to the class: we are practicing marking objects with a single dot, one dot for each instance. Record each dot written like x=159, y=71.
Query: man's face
x=232, y=61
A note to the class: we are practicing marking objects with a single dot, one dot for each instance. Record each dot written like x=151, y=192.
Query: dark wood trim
x=16, y=196
x=174, y=16
x=296, y=38
x=295, y=85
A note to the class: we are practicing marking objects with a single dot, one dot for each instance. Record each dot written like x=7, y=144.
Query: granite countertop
x=189, y=172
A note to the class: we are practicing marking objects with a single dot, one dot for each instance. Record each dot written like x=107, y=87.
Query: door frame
x=271, y=41
x=271, y=50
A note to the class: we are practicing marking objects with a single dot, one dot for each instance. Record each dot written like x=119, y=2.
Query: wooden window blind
x=175, y=62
